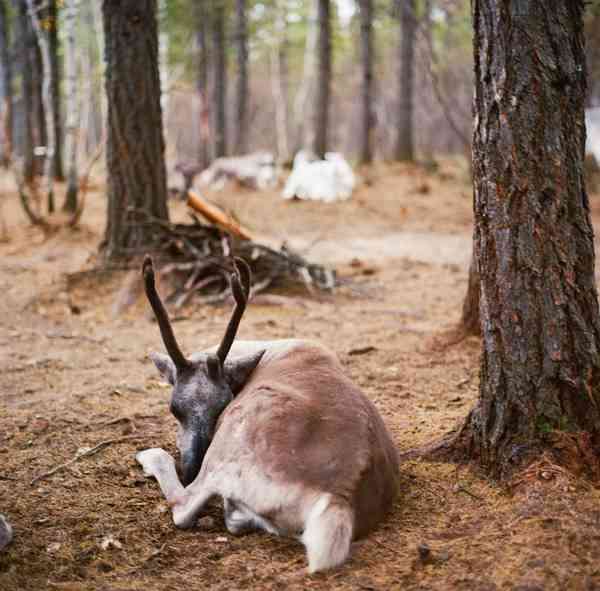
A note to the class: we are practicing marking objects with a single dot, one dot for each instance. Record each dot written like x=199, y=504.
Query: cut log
x=217, y=216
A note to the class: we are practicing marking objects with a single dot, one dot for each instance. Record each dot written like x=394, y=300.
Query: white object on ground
x=592, y=122
x=326, y=180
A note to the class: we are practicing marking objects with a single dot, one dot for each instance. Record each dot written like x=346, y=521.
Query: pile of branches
x=196, y=260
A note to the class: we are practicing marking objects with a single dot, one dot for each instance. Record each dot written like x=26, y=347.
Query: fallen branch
x=87, y=453
x=216, y=216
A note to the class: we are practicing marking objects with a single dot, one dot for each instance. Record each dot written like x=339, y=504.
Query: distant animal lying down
x=278, y=431
x=6, y=532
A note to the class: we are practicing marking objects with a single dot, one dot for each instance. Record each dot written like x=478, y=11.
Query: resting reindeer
x=279, y=432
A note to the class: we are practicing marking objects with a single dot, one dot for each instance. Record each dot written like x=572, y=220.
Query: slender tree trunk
x=242, y=85
x=72, y=105
x=135, y=143
x=6, y=86
x=23, y=38
x=56, y=76
x=540, y=369
x=48, y=120
x=366, y=55
x=202, y=66
x=219, y=79
x=302, y=105
x=280, y=85
x=321, y=118
x=163, y=58
x=405, y=144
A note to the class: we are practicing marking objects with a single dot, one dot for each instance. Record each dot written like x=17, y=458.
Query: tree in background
x=366, y=55
x=540, y=368
x=6, y=96
x=321, y=114
x=50, y=23
x=219, y=86
x=201, y=67
x=135, y=145
x=405, y=144
x=242, y=86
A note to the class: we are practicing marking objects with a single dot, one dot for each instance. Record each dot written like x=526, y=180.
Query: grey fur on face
x=6, y=532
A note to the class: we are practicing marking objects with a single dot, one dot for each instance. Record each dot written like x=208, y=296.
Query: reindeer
x=278, y=431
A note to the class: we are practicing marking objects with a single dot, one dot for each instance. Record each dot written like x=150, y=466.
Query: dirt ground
x=75, y=375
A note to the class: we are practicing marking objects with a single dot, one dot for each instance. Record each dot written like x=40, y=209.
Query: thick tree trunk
x=135, y=143
x=540, y=369
x=366, y=55
x=242, y=86
x=202, y=18
x=52, y=28
x=6, y=95
x=470, y=323
x=219, y=99
x=405, y=144
x=321, y=117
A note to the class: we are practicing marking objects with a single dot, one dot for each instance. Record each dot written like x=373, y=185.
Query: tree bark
x=135, y=143
x=470, y=323
x=23, y=38
x=219, y=99
x=202, y=66
x=366, y=55
x=405, y=144
x=6, y=96
x=242, y=86
x=56, y=76
x=280, y=82
x=72, y=103
x=321, y=117
x=539, y=307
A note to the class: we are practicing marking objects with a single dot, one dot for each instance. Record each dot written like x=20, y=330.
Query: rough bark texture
x=219, y=79
x=241, y=90
x=6, y=96
x=55, y=91
x=541, y=328
x=405, y=144
x=201, y=16
x=366, y=56
x=135, y=144
x=470, y=323
x=321, y=118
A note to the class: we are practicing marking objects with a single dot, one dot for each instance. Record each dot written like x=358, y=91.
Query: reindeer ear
x=165, y=366
x=238, y=371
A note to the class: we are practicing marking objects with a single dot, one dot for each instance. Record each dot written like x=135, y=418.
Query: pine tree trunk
x=56, y=84
x=280, y=82
x=72, y=104
x=23, y=37
x=219, y=99
x=242, y=86
x=405, y=145
x=366, y=54
x=321, y=118
x=470, y=323
x=540, y=369
x=202, y=17
x=135, y=143
x=6, y=96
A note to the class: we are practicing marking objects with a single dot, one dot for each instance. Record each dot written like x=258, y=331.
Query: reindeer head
x=206, y=383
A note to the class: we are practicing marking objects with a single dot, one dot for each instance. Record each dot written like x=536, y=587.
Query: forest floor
x=75, y=374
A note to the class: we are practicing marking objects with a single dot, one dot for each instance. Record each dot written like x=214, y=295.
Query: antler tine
x=240, y=287
x=162, y=317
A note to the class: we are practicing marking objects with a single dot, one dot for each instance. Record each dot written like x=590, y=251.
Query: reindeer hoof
x=151, y=459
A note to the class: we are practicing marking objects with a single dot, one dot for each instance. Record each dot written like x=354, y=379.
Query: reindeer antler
x=240, y=287
x=162, y=317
